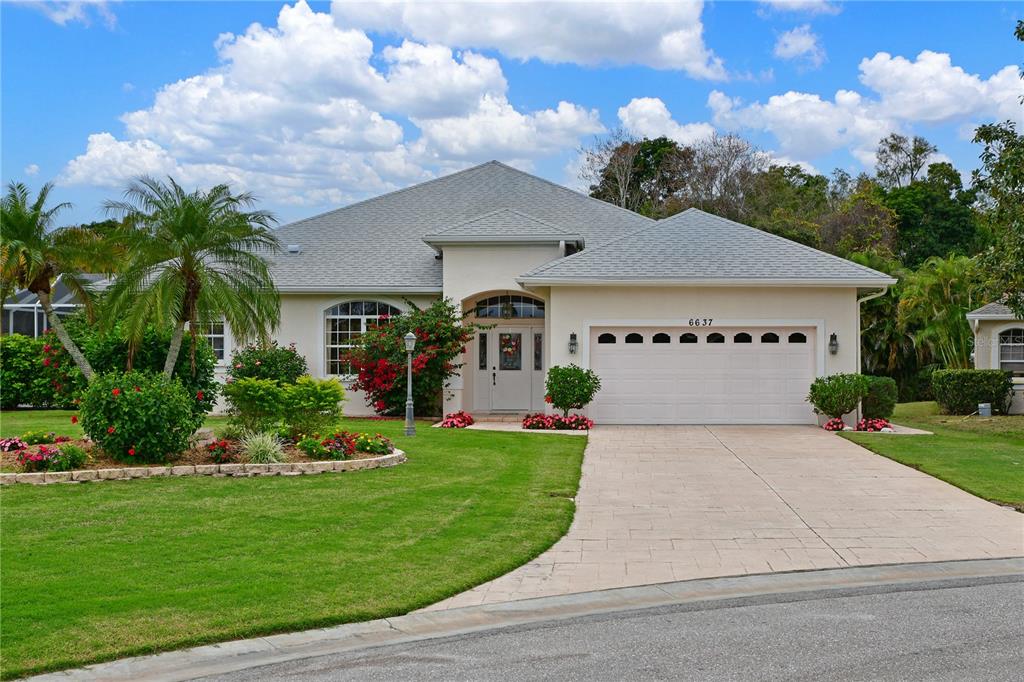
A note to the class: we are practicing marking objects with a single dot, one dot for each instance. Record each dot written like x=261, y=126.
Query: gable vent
x=294, y=248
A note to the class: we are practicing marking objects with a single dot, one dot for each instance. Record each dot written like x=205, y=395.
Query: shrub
x=261, y=448
x=457, y=420
x=22, y=381
x=313, y=448
x=959, y=391
x=341, y=445
x=312, y=406
x=838, y=394
x=69, y=457
x=221, y=451
x=254, y=404
x=379, y=360
x=138, y=416
x=376, y=444
x=834, y=424
x=571, y=388
x=880, y=402
x=281, y=364
x=39, y=460
x=555, y=422
x=39, y=437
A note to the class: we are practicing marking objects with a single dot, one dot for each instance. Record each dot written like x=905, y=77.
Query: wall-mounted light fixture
x=573, y=344
x=833, y=344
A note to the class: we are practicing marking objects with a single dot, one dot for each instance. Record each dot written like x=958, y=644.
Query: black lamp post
x=410, y=425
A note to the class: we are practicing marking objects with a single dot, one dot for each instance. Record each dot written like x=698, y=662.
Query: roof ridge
x=579, y=254
x=502, y=210
x=393, y=192
x=776, y=237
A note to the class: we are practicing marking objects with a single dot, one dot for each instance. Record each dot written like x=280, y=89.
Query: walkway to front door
x=660, y=503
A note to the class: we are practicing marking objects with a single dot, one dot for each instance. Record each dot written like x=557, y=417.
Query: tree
x=901, y=159
x=861, y=222
x=789, y=202
x=725, y=168
x=934, y=216
x=33, y=254
x=609, y=167
x=639, y=175
x=194, y=257
x=1000, y=186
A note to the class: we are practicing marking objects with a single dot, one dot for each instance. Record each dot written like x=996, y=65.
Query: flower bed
x=556, y=422
x=835, y=424
x=874, y=425
x=457, y=420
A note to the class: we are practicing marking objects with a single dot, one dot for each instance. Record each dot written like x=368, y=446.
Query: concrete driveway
x=664, y=503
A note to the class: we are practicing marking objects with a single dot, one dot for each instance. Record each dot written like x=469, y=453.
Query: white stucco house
x=691, y=319
x=999, y=344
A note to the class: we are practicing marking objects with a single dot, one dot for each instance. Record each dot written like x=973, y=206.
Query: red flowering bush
x=873, y=425
x=379, y=361
x=557, y=422
x=341, y=445
x=835, y=424
x=149, y=419
x=221, y=451
x=457, y=420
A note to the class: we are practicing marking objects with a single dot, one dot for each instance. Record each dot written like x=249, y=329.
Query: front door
x=507, y=369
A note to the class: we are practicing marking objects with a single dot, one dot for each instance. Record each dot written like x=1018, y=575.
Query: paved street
x=961, y=632
x=663, y=503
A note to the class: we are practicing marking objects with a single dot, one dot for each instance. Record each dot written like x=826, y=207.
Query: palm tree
x=194, y=257
x=33, y=255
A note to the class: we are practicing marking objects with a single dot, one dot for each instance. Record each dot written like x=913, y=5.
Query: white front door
x=509, y=375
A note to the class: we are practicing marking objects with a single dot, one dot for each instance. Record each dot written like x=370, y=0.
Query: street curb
x=422, y=625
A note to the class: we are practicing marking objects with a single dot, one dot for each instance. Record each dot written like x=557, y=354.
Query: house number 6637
x=700, y=321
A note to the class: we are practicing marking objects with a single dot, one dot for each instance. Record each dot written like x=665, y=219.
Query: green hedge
x=838, y=394
x=880, y=402
x=958, y=391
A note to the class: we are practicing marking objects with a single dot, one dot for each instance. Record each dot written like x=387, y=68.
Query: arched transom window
x=1011, y=351
x=510, y=307
x=343, y=324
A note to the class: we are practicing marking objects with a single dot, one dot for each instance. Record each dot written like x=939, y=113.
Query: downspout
x=864, y=299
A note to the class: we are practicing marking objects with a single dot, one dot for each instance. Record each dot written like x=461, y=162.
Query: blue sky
x=322, y=105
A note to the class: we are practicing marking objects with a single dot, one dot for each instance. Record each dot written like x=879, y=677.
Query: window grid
x=1011, y=351
x=344, y=324
x=214, y=335
x=510, y=306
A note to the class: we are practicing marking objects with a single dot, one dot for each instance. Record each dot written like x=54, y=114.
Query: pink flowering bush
x=52, y=458
x=835, y=424
x=873, y=425
x=12, y=445
x=557, y=422
x=457, y=420
x=282, y=364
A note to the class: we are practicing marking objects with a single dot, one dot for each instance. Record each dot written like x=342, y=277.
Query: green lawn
x=982, y=455
x=97, y=571
x=16, y=422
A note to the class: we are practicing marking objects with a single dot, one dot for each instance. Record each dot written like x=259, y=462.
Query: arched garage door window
x=344, y=324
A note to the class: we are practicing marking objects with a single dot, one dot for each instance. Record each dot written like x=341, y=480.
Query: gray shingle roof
x=992, y=310
x=694, y=246
x=502, y=224
x=377, y=244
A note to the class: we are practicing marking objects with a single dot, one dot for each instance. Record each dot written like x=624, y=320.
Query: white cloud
x=31, y=169
x=929, y=89
x=807, y=6
x=79, y=11
x=308, y=111
x=656, y=34
x=649, y=117
x=800, y=43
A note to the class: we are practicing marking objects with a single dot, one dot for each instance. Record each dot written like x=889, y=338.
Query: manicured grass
x=982, y=455
x=13, y=423
x=97, y=571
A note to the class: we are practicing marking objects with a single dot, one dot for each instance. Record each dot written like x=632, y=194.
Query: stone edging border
x=238, y=470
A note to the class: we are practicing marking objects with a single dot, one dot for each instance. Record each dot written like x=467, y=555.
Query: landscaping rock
x=321, y=467
x=56, y=476
x=159, y=471
x=136, y=472
x=303, y=467
x=207, y=469
x=109, y=474
x=184, y=470
x=6, y=479
x=84, y=475
x=34, y=478
x=232, y=469
x=255, y=468
x=280, y=468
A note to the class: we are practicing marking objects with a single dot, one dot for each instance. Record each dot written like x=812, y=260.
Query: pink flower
x=238, y=365
x=258, y=363
x=46, y=362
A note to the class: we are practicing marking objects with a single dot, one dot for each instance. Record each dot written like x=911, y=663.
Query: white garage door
x=672, y=375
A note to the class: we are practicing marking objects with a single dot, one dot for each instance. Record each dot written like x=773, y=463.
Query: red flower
x=131, y=452
x=116, y=391
x=110, y=429
x=199, y=396
x=74, y=419
x=137, y=389
x=46, y=348
x=547, y=399
x=46, y=362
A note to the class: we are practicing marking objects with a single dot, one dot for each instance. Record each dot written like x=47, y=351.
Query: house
x=999, y=344
x=691, y=319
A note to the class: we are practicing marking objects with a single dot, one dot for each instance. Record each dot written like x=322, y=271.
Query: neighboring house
x=23, y=314
x=692, y=319
x=999, y=344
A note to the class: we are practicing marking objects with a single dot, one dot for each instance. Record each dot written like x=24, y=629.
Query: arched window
x=634, y=338
x=606, y=338
x=510, y=307
x=769, y=337
x=1011, y=351
x=661, y=338
x=346, y=322
x=716, y=338
x=688, y=338
x=742, y=337
x=797, y=337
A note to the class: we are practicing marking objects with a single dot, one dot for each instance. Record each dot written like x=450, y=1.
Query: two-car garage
x=703, y=375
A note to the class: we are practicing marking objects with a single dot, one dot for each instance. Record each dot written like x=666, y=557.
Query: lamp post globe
x=410, y=424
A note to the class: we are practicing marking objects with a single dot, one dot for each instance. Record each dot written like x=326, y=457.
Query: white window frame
x=208, y=334
x=997, y=346
x=364, y=321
